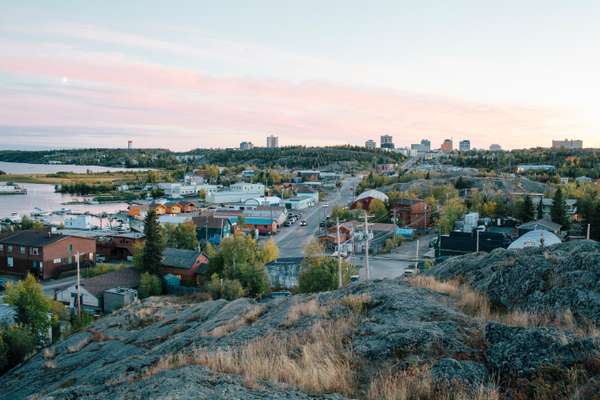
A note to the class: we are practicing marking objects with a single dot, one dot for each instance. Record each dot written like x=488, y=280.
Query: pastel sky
x=189, y=74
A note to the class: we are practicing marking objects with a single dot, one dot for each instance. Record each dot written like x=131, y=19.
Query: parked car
x=303, y=223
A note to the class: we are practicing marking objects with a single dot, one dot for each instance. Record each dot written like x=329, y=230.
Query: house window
x=10, y=262
x=34, y=251
x=22, y=250
x=36, y=264
x=57, y=260
x=9, y=248
x=70, y=248
x=1, y=248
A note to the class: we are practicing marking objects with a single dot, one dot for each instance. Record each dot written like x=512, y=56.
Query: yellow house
x=173, y=208
x=159, y=209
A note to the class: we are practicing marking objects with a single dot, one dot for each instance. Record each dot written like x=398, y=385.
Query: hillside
x=419, y=338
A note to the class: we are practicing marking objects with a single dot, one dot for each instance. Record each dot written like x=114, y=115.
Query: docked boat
x=12, y=188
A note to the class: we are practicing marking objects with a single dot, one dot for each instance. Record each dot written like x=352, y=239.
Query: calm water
x=43, y=196
x=23, y=168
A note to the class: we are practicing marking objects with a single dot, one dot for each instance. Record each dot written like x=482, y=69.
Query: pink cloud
x=193, y=109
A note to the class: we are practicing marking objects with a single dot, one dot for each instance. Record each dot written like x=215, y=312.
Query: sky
x=189, y=74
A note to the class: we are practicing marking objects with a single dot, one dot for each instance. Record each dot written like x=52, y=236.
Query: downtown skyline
x=186, y=75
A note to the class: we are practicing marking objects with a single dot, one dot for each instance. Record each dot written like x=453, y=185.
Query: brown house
x=119, y=246
x=187, y=206
x=414, y=213
x=186, y=264
x=44, y=254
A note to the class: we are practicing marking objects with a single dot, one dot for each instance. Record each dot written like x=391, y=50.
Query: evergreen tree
x=527, y=212
x=153, y=244
x=558, y=213
x=540, y=209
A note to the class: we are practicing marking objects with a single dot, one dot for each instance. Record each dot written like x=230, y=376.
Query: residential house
x=172, y=208
x=187, y=206
x=138, y=210
x=413, y=213
x=544, y=224
x=183, y=263
x=212, y=229
x=547, y=204
x=364, y=199
x=119, y=246
x=159, y=209
x=93, y=290
x=43, y=253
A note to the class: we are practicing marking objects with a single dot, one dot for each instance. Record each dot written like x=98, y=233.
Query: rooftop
x=179, y=258
x=32, y=238
x=125, y=278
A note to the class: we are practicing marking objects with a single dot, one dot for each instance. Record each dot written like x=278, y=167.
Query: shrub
x=229, y=289
x=150, y=285
x=20, y=343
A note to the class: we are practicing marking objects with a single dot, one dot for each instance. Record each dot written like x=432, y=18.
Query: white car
x=303, y=223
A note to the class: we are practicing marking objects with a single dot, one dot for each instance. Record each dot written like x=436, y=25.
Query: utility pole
x=337, y=223
x=367, y=248
x=417, y=257
x=477, y=248
x=78, y=289
x=587, y=236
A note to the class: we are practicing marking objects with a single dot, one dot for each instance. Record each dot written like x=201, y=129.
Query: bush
x=19, y=343
x=318, y=277
x=80, y=322
x=224, y=288
x=150, y=285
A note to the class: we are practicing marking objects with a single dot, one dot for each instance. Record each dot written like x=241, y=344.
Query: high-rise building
x=387, y=142
x=370, y=144
x=567, y=144
x=495, y=147
x=129, y=144
x=464, y=145
x=425, y=145
x=447, y=146
x=272, y=141
x=246, y=146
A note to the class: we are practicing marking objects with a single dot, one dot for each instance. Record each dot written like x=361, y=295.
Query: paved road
x=395, y=263
x=291, y=240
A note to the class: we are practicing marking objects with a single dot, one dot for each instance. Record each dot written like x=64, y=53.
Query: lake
x=24, y=168
x=44, y=197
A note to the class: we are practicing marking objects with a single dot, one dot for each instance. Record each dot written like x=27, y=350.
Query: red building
x=413, y=213
x=44, y=254
x=185, y=264
x=119, y=246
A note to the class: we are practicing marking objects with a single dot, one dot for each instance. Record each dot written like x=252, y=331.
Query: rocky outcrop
x=390, y=333
x=564, y=277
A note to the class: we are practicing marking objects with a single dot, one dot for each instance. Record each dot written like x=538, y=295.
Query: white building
x=246, y=146
x=299, y=202
x=272, y=142
x=78, y=222
x=248, y=187
x=193, y=179
x=567, y=144
x=370, y=144
x=237, y=193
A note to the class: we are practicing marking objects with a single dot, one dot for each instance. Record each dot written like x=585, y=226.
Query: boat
x=63, y=210
x=38, y=212
x=12, y=188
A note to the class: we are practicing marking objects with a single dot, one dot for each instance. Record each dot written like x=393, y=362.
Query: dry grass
x=49, y=364
x=317, y=361
x=477, y=305
x=247, y=319
x=415, y=383
x=299, y=310
x=74, y=348
x=49, y=353
x=356, y=302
